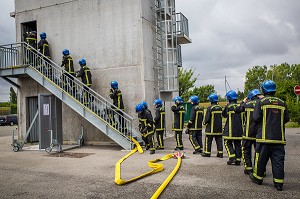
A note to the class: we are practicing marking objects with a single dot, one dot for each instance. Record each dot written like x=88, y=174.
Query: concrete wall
x=116, y=37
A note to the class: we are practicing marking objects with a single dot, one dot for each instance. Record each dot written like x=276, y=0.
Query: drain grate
x=69, y=155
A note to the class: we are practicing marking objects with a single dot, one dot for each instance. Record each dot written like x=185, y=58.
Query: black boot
x=152, y=152
x=220, y=155
x=231, y=162
x=255, y=180
x=279, y=187
x=205, y=155
x=248, y=172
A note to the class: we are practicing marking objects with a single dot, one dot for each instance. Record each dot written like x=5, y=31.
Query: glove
x=187, y=131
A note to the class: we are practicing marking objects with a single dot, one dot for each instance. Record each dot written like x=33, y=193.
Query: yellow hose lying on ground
x=156, y=167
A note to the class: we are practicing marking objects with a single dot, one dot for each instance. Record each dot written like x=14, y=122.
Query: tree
x=186, y=82
x=13, y=96
x=255, y=77
x=203, y=92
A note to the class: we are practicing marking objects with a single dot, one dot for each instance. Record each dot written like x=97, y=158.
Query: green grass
x=292, y=125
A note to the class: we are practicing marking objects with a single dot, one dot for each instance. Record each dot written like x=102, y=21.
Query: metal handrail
x=182, y=24
x=22, y=54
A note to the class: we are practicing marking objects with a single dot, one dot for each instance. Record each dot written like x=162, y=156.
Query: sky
x=228, y=38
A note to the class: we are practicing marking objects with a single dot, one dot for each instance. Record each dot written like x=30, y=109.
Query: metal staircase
x=21, y=59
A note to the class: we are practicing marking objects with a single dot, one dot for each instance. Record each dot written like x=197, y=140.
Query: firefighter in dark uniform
x=159, y=122
x=233, y=130
x=250, y=128
x=68, y=76
x=146, y=127
x=43, y=47
x=116, y=95
x=194, y=126
x=31, y=40
x=86, y=78
x=213, y=122
x=271, y=114
x=178, y=122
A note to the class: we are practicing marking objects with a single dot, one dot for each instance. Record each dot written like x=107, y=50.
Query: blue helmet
x=65, y=52
x=43, y=35
x=114, y=84
x=231, y=95
x=145, y=104
x=139, y=108
x=82, y=62
x=253, y=93
x=268, y=87
x=213, y=97
x=194, y=99
x=158, y=102
x=178, y=98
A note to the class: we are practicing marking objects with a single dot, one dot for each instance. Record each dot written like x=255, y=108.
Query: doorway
x=32, y=107
x=27, y=27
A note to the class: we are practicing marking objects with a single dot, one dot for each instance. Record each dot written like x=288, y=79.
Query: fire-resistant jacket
x=178, y=121
x=159, y=119
x=271, y=114
x=67, y=63
x=233, y=129
x=116, y=96
x=213, y=120
x=86, y=76
x=31, y=40
x=250, y=127
x=145, y=123
x=43, y=47
x=196, y=118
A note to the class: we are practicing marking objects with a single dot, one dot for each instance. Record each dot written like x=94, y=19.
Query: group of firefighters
x=258, y=121
x=262, y=116
x=67, y=63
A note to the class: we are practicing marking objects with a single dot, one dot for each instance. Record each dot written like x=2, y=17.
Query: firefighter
x=271, y=114
x=86, y=78
x=146, y=127
x=43, y=47
x=30, y=39
x=194, y=126
x=250, y=128
x=233, y=130
x=178, y=122
x=159, y=122
x=68, y=74
x=116, y=95
x=213, y=122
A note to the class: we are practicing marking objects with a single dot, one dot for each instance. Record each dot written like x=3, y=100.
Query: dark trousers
x=69, y=84
x=149, y=141
x=247, y=153
x=85, y=95
x=264, y=152
x=195, y=138
x=178, y=137
x=234, y=149
x=160, y=138
x=208, y=143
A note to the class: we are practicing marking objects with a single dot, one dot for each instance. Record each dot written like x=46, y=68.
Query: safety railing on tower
x=23, y=55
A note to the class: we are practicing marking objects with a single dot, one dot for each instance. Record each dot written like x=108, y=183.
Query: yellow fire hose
x=156, y=167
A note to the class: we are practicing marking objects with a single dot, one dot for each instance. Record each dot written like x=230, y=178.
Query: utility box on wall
x=50, y=118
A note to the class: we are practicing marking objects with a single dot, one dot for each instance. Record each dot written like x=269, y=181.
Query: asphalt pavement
x=36, y=174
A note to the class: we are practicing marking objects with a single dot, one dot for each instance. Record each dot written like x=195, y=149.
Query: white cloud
x=229, y=37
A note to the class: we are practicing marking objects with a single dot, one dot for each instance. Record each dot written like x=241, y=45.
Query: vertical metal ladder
x=166, y=53
x=21, y=59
